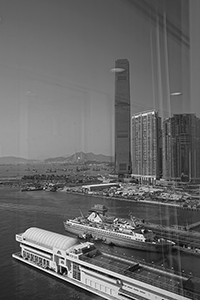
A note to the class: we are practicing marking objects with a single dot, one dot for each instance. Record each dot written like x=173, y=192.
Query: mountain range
x=76, y=157
x=13, y=160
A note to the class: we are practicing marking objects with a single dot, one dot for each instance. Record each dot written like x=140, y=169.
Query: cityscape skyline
x=167, y=149
x=57, y=94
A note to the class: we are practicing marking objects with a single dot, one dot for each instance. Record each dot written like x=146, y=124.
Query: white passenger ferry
x=108, y=276
x=118, y=232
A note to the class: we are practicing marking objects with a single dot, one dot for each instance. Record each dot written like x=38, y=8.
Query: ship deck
x=157, y=276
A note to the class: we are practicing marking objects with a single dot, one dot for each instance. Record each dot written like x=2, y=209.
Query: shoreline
x=152, y=202
x=132, y=200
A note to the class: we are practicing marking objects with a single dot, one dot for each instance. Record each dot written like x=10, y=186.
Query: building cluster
x=150, y=148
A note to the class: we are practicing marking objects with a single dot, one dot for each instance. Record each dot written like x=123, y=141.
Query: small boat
x=116, y=231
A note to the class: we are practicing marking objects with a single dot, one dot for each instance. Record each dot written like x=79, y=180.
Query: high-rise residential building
x=181, y=148
x=146, y=146
x=122, y=117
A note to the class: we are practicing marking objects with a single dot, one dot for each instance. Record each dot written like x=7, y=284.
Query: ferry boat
x=115, y=231
x=111, y=277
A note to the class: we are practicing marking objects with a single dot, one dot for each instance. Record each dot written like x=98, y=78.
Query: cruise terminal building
x=106, y=275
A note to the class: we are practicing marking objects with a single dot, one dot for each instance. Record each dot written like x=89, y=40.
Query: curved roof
x=48, y=239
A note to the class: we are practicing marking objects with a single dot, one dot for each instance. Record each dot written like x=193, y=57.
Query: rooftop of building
x=180, y=116
x=151, y=111
x=48, y=239
x=108, y=184
x=144, y=272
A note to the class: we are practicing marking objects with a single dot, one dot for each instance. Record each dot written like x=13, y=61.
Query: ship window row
x=119, y=234
x=40, y=261
x=76, y=272
x=99, y=286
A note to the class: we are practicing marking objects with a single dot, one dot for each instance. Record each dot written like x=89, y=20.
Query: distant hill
x=81, y=157
x=12, y=160
x=76, y=157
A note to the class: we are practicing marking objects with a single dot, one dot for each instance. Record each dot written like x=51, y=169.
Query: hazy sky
x=56, y=88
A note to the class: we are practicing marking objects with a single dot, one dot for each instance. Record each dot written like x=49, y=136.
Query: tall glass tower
x=181, y=148
x=122, y=117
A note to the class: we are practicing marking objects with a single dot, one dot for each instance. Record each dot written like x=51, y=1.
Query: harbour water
x=47, y=210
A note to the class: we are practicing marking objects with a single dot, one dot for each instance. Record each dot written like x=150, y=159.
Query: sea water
x=48, y=210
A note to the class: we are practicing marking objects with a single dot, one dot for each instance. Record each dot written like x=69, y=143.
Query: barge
x=116, y=231
x=183, y=237
x=108, y=276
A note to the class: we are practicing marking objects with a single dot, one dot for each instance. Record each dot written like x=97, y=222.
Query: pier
x=194, y=225
x=109, y=276
x=179, y=235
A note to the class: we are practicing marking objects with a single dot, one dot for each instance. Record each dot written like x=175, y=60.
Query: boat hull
x=109, y=237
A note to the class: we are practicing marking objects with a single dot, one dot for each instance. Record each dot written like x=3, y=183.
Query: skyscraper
x=181, y=147
x=146, y=146
x=122, y=117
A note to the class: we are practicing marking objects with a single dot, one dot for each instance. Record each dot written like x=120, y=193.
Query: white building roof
x=108, y=184
x=48, y=239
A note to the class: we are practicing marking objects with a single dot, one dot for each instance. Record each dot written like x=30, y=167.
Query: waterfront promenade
x=120, y=198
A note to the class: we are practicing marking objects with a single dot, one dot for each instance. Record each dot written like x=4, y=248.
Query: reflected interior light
x=176, y=94
x=117, y=70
